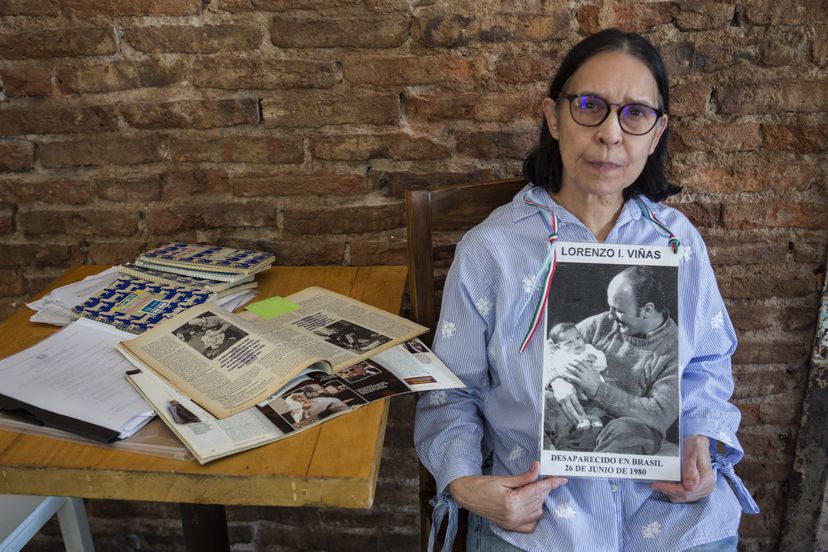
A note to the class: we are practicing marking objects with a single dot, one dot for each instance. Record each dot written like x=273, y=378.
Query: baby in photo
x=565, y=345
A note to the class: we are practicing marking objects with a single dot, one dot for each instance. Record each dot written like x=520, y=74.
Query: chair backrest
x=449, y=210
x=436, y=218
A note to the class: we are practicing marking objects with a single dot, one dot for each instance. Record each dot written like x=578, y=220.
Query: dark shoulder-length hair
x=543, y=166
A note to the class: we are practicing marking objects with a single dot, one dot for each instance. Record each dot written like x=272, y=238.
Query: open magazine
x=309, y=399
x=227, y=363
x=610, y=366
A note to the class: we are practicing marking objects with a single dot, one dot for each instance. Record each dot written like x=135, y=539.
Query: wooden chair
x=21, y=517
x=437, y=216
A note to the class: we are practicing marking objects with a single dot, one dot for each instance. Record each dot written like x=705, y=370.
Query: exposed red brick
x=700, y=213
x=26, y=81
x=90, y=222
x=276, y=6
x=588, y=17
x=746, y=252
x=289, y=31
x=795, y=138
x=16, y=156
x=57, y=43
x=783, y=411
x=528, y=67
x=764, y=351
x=770, y=12
x=17, y=121
x=28, y=7
x=776, y=96
x=451, y=30
x=11, y=282
x=690, y=99
x=91, y=8
x=128, y=188
x=103, y=150
x=390, y=248
x=123, y=75
x=39, y=254
x=303, y=110
x=117, y=252
x=344, y=219
x=184, y=183
x=191, y=40
x=785, y=46
x=718, y=137
x=678, y=56
x=322, y=250
x=761, y=282
x=192, y=114
x=70, y=191
x=788, y=214
x=762, y=471
x=372, y=146
x=407, y=70
x=297, y=183
x=232, y=149
x=486, y=107
x=699, y=15
x=760, y=381
x=237, y=74
x=819, y=48
x=6, y=220
x=494, y=144
x=171, y=219
x=641, y=18
x=733, y=176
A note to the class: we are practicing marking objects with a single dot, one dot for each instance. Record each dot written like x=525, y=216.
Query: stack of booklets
x=172, y=278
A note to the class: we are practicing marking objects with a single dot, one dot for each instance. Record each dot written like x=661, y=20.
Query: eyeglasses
x=590, y=111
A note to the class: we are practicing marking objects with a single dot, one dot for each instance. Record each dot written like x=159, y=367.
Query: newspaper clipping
x=228, y=363
x=610, y=366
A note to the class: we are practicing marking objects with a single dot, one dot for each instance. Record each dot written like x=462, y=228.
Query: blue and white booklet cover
x=610, y=383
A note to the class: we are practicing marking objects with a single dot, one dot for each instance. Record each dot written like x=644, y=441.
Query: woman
x=596, y=176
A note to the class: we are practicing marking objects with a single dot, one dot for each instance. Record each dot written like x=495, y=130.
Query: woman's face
x=603, y=160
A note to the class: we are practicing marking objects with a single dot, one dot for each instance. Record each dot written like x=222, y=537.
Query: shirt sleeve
x=448, y=430
x=707, y=380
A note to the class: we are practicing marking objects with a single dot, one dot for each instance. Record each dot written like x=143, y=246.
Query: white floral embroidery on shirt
x=725, y=438
x=515, y=453
x=528, y=284
x=717, y=322
x=565, y=511
x=447, y=328
x=438, y=398
x=651, y=530
x=484, y=306
x=685, y=252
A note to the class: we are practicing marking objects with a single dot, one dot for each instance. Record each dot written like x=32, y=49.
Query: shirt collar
x=537, y=194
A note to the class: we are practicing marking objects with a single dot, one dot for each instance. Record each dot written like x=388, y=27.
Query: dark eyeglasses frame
x=659, y=113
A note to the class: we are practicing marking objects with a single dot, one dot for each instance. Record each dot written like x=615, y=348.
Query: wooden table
x=334, y=464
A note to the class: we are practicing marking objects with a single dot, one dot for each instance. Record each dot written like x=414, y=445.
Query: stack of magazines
x=174, y=277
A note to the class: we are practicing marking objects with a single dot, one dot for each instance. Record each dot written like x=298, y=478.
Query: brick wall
x=296, y=126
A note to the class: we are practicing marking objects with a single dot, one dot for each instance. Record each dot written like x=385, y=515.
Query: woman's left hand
x=583, y=375
x=697, y=477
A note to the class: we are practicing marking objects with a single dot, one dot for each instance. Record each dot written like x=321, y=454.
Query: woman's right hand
x=512, y=502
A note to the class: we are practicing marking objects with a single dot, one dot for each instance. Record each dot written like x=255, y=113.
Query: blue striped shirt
x=490, y=292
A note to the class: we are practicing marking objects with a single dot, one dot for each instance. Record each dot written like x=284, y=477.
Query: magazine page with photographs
x=610, y=386
x=228, y=363
x=309, y=399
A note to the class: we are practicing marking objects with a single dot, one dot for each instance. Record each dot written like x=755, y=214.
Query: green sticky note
x=272, y=307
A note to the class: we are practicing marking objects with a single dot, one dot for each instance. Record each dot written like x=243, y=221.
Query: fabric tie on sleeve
x=722, y=464
x=443, y=504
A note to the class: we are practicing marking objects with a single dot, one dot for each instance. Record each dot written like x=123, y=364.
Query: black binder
x=41, y=417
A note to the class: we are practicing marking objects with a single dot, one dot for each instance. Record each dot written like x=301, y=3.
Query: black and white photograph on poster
x=209, y=334
x=350, y=336
x=611, y=365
